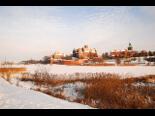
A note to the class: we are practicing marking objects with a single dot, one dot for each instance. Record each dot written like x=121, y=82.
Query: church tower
x=130, y=47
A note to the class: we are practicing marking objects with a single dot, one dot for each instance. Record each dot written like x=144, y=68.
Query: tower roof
x=130, y=46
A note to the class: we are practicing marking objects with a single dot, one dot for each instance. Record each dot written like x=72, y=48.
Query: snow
x=12, y=97
x=64, y=69
x=143, y=84
x=26, y=85
x=70, y=91
x=15, y=97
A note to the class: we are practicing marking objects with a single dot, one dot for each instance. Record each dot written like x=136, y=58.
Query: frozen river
x=123, y=70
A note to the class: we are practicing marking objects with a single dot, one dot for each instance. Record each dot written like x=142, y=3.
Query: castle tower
x=85, y=46
x=130, y=47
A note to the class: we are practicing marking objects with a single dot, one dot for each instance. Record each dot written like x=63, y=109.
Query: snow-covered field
x=12, y=97
x=71, y=91
x=122, y=70
x=22, y=97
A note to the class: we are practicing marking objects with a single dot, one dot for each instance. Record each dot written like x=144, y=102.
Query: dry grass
x=116, y=93
x=44, y=79
x=12, y=70
x=9, y=71
x=103, y=91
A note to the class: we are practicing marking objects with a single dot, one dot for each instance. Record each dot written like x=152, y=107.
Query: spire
x=130, y=46
x=85, y=46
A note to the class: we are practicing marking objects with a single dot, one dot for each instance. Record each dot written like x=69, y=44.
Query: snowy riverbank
x=12, y=97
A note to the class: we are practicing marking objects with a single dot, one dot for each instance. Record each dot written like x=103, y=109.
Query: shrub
x=102, y=90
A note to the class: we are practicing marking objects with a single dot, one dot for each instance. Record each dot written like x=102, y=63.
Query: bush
x=103, y=90
x=115, y=93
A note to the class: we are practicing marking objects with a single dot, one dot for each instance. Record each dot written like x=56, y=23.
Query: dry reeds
x=102, y=90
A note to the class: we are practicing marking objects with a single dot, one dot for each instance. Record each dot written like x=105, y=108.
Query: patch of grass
x=115, y=93
x=12, y=70
x=7, y=73
x=105, y=91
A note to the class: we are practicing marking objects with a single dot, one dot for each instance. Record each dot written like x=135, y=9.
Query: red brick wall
x=72, y=62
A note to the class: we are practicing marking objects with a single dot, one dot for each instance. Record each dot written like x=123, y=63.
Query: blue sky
x=33, y=32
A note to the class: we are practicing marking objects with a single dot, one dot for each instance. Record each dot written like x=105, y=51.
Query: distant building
x=130, y=48
x=57, y=57
x=129, y=52
x=74, y=62
x=85, y=52
x=80, y=56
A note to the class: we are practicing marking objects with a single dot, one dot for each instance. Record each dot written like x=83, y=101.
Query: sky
x=31, y=32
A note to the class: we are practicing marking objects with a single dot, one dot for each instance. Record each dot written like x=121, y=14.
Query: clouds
x=29, y=30
x=150, y=10
x=32, y=32
x=115, y=27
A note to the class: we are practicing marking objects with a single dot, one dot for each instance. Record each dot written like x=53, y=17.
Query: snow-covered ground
x=22, y=97
x=12, y=97
x=63, y=69
x=70, y=91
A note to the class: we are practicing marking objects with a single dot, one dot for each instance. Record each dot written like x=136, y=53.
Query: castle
x=78, y=57
x=85, y=53
x=129, y=52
